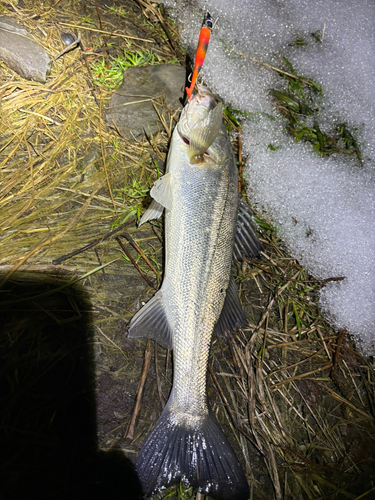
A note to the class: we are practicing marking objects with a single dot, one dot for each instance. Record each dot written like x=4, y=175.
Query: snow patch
x=331, y=197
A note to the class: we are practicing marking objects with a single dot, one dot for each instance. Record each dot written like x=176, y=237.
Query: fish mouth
x=205, y=98
x=203, y=91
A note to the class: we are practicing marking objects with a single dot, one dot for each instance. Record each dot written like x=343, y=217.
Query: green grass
x=298, y=103
x=131, y=195
x=109, y=72
x=182, y=492
x=299, y=42
x=119, y=11
x=318, y=36
x=233, y=116
x=87, y=20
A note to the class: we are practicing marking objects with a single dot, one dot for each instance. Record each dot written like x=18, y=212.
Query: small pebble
x=67, y=38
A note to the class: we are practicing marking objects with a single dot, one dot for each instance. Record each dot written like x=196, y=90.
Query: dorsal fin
x=246, y=243
x=232, y=315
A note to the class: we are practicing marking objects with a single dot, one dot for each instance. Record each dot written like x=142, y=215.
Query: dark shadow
x=48, y=447
x=189, y=65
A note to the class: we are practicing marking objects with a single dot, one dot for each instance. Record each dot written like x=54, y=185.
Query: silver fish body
x=200, y=230
x=200, y=194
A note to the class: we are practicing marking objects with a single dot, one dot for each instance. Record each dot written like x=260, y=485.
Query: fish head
x=197, y=108
x=201, y=129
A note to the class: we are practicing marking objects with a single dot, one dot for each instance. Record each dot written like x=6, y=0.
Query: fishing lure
x=204, y=38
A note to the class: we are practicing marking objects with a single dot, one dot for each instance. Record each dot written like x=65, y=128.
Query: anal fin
x=151, y=321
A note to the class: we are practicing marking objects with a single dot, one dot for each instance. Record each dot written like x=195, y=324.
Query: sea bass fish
x=205, y=224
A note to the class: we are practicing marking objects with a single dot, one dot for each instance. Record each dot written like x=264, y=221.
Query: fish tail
x=199, y=456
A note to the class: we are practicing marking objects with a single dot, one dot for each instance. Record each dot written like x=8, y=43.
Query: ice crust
x=332, y=198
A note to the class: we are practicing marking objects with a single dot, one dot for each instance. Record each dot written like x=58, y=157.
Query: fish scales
x=199, y=241
x=200, y=196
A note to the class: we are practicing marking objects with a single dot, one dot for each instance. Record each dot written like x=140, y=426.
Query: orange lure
x=204, y=38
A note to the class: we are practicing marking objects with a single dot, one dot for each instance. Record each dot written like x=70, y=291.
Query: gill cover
x=203, y=134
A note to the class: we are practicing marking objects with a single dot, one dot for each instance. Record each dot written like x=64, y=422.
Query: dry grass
x=298, y=391
x=295, y=397
x=60, y=163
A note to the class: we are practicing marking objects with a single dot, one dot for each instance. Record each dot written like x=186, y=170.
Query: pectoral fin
x=203, y=134
x=154, y=211
x=161, y=191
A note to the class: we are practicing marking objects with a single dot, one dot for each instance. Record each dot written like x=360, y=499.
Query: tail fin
x=201, y=457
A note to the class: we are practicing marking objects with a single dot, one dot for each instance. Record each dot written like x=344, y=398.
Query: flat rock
x=21, y=53
x=131, y=108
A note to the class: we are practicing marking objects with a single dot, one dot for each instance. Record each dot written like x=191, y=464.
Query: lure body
x=204, y=38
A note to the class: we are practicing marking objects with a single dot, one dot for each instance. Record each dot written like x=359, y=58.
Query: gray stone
x=143, y=84
x=9, y=24
x=21, y=53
